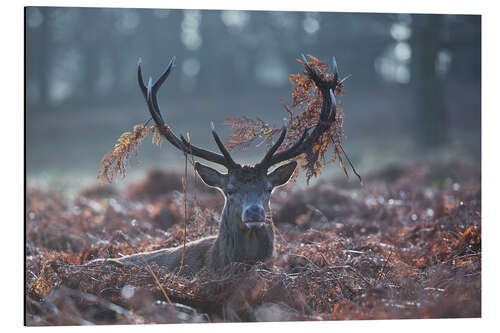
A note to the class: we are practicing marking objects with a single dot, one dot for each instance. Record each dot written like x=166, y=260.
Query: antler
x=182, y=144
x=325, y=121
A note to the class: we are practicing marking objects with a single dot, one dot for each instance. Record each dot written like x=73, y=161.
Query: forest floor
x=406, y=244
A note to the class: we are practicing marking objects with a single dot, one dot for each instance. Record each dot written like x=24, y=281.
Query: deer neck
x=235, y=243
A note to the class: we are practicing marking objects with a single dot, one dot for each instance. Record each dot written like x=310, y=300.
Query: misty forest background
x=415, y=92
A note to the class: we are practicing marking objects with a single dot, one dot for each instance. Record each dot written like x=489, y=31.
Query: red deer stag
x=246, y=228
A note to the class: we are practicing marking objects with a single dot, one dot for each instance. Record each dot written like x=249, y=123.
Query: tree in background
x=82, y=58
x=426, y=43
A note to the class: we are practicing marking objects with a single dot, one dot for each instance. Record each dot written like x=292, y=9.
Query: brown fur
x=235, y=242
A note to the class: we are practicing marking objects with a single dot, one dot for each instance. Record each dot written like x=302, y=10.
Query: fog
x=415, y=90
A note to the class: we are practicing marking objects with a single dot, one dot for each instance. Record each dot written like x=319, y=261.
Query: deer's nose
x=254, y=213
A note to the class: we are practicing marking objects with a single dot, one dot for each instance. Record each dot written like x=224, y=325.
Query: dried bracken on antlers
x=115, y=162
x=247, y=130
x=314, y=92
x=305, y=137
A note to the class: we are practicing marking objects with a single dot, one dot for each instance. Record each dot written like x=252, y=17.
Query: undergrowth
x=406, y=245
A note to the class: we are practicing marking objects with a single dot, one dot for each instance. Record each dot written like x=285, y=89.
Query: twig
x=385, y=265
x=360, y=275
x=151, y=271
x=184, y=189
x=158, y=282
x=354, y=251
x=306, y=258
x=350, y=163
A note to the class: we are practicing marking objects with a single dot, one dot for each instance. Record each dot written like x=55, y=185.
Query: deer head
x=247, y=188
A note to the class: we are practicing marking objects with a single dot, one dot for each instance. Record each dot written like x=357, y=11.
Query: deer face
x=247, y=190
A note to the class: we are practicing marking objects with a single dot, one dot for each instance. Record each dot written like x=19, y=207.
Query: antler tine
x=219, y=143
x=303, y=59
x=335, y=68
x=265, y=161
x=334, y=105
x=347, y=77
x=326, y=118
x=149, y=93
x=139, y=77
x=149, y=99
x=160, y=81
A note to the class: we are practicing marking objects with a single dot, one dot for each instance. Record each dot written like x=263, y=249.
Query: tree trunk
x=432, y=127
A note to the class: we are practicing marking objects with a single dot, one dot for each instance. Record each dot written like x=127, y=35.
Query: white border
x=384, y=6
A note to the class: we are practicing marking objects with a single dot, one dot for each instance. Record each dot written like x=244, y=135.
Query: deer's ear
x=210, y=176
x=282, y=174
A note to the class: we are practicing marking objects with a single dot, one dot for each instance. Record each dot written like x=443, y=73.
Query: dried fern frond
x=247, y=130
x=305, y=97
x=308, y=100
x=115, y=162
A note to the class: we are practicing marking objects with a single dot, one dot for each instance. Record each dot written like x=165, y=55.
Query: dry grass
x=406, y=245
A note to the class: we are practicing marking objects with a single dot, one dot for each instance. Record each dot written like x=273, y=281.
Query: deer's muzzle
x=254, y=216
